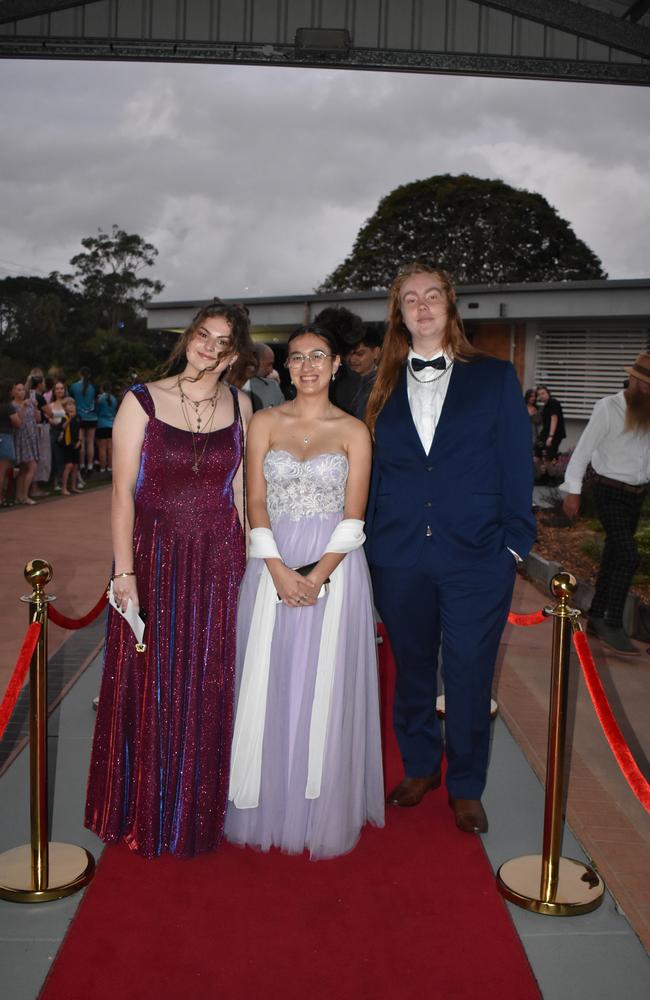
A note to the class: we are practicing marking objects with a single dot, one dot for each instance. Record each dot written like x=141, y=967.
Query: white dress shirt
x=613, y=451
x=426, y=394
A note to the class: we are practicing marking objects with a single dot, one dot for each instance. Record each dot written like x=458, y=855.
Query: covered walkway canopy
x=606, y=41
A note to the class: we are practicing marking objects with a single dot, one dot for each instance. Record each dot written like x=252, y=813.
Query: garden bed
x=575, y=546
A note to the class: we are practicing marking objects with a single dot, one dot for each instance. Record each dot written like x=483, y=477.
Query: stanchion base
x=70, y=868
x=579, y=889
x=440, y=707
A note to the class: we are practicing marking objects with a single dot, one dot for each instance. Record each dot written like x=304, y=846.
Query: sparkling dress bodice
x=309, y=488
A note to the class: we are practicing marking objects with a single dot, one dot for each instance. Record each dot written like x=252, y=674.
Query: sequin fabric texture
x=161, y=751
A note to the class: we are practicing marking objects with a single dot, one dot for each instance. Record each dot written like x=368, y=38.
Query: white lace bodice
x=315, y=486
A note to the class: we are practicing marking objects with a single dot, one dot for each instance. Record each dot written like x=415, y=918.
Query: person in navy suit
x=449, y=517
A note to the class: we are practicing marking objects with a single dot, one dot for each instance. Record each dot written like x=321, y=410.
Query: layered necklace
x=201, y=408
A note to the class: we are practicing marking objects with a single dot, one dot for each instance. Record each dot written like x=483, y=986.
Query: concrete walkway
x=74, y=535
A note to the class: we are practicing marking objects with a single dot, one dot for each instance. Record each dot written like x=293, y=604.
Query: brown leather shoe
x=411, y=791
x=470, y=815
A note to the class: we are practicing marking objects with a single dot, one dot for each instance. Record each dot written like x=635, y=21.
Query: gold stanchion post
x=549, y=883
x=41, y=871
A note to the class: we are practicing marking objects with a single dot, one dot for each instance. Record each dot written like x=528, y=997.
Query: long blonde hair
x=397, y=340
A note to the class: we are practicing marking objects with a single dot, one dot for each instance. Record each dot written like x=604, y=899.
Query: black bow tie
x=417, y=365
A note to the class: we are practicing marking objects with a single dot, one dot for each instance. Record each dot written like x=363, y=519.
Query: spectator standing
x=84, y=393
x=106, y=410
x=10, y=421
x=55, y=415
x=553, y=431
x=25, y=440
x=347, y=329
x=530, y=399
x=616, y=442
x=264, y=391
x=362, y=359
x=35, y=386
x=71, y=440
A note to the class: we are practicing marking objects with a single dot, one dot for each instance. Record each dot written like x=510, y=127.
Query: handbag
x=305, y=571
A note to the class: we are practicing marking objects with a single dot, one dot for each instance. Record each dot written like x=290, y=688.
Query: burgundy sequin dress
x=161, y=750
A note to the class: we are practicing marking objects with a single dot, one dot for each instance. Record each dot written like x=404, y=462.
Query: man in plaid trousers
x=616, y=442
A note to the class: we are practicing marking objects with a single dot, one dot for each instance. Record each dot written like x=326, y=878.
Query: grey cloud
x=256, y=180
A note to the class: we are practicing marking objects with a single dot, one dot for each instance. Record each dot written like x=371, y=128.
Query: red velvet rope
x=74, y=623
x=18, y=676
x=631, y=772
x=536, y=618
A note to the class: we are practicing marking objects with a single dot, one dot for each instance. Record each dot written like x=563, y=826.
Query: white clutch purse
x=132, y=617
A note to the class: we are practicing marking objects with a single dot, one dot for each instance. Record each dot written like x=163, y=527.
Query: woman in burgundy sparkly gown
x=161, y=750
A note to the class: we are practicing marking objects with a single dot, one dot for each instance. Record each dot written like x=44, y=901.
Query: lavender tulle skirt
x=352, y=781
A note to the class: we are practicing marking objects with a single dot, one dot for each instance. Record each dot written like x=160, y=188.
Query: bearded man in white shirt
x=616, y=442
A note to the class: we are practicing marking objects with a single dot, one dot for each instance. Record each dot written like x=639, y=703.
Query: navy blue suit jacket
x=472, y=491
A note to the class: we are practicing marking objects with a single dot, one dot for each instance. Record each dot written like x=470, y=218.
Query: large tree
x=481, y=231
x=35, y=319
x=93, y=316
x=109, y=273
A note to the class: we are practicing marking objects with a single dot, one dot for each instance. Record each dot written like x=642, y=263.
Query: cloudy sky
x=254, y=181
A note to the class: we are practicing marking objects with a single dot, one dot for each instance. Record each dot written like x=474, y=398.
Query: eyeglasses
x=315, y=358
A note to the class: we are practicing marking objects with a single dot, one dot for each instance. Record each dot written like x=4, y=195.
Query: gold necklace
x=212, y=400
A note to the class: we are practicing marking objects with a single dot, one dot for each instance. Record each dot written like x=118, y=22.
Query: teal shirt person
x=84, y=394
x=106, y=406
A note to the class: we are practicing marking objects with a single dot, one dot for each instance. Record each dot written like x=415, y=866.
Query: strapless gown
x=305, y=503
x=161, y=750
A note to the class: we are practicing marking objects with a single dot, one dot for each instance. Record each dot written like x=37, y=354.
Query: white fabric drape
x=246, y=760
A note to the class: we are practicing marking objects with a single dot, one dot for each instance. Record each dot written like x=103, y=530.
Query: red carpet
x=412, y=912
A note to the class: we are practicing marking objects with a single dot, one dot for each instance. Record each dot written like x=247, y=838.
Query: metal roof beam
x=13, y=10
x=400, y=61
x=579, y=19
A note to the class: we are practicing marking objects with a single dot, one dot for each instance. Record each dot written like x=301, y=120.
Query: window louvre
x=582, y=365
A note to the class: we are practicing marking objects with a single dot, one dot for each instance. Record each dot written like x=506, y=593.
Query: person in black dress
x=553, y=430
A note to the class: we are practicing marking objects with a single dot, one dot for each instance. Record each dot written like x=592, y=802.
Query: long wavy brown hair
x=236, y=315
x=397, y=340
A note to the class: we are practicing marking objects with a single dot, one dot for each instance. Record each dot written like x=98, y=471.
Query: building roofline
x=601, y=284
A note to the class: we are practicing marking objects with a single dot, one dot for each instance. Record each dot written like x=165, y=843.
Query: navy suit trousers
x=428, y=609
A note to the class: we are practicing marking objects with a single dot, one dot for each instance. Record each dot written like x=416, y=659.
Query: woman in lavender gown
x=306, y=769
x=161, y=750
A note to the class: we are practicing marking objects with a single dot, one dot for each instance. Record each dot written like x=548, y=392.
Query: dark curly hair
x=346, y=327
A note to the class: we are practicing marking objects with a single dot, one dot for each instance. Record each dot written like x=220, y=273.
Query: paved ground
x=73, y=534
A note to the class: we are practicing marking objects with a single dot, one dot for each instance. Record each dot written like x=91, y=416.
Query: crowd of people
x=53, y=435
